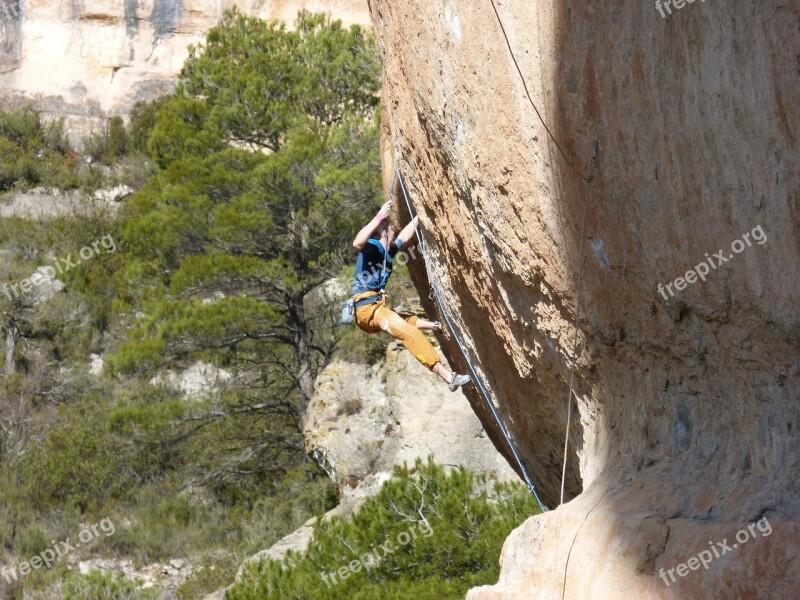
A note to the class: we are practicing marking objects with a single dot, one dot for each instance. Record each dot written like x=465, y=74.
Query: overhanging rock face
x=685, y=412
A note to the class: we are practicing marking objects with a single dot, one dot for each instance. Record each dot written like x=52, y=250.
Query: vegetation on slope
x=427, y=534
x=246, y=203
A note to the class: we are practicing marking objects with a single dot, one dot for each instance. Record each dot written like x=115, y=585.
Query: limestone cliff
x=684, y=426
x=87, y=60
x=364, y=420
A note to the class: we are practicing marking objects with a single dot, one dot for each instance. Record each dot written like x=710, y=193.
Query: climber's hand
x=383, y=213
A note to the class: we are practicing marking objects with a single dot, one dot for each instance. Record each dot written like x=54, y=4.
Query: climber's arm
x=408, y=232
x=368, y=229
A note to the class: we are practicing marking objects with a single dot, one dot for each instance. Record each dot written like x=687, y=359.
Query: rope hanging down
x=383, y=269
x=457, y=338
x=588, y=179
x=577, y=320
x=528, y=94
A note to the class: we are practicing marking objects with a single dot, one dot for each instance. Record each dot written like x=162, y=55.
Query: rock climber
x=373, y=269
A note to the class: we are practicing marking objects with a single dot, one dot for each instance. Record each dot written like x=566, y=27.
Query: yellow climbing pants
x=402, y=326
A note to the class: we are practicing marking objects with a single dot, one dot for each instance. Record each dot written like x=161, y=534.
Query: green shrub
x=95, y=146
x=54, y=136
x=8, y=164
x=34, y=153
x=302, y=493
x=78, y=463
x=117, y=139
x=99, y=586
x=109, y=145
x=212, y=572
x=71, y=466
x=445, y=531
x=164, y=525
x=143, y=119
x=20, y=126
x=134, y=169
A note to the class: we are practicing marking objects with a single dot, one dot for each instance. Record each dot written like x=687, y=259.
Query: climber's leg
x=379, y=317
x=405, y=331
x=411, y=319
x=365, y=315
x=442, y=372
x=454, y=379
x=421, y=324
x=426, y=325
x=416, y=342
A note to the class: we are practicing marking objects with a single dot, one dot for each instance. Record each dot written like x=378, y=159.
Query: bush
x=164, y=525
x=143, y=119
x=9, y=170
x=445, y=534
x=117, y=139
x=134, y=169
x=55, y=137
x=77, y=463
x=214, y=571
x=304, y=492
x=95, y=146
x=34, y=153
x=20, y=126
x=99, y=586
x=110, y=145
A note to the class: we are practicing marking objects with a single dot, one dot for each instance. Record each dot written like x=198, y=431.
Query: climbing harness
x=457, y=338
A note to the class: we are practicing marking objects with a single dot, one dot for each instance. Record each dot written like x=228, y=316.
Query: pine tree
x=267, y=157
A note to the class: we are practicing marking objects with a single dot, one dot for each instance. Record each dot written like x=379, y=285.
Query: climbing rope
x=386, y=250
x=461, y=345
x=528, y=94
x=578, y=306
x=588, y=179
x=577, y=319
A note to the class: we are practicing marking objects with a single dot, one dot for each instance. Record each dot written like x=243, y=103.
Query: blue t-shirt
x=369, y=266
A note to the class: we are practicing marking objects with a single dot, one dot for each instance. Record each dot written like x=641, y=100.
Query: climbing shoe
x=458, y=381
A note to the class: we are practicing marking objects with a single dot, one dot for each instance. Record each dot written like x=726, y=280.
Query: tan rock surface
x=365, y=420
x=686, y=407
